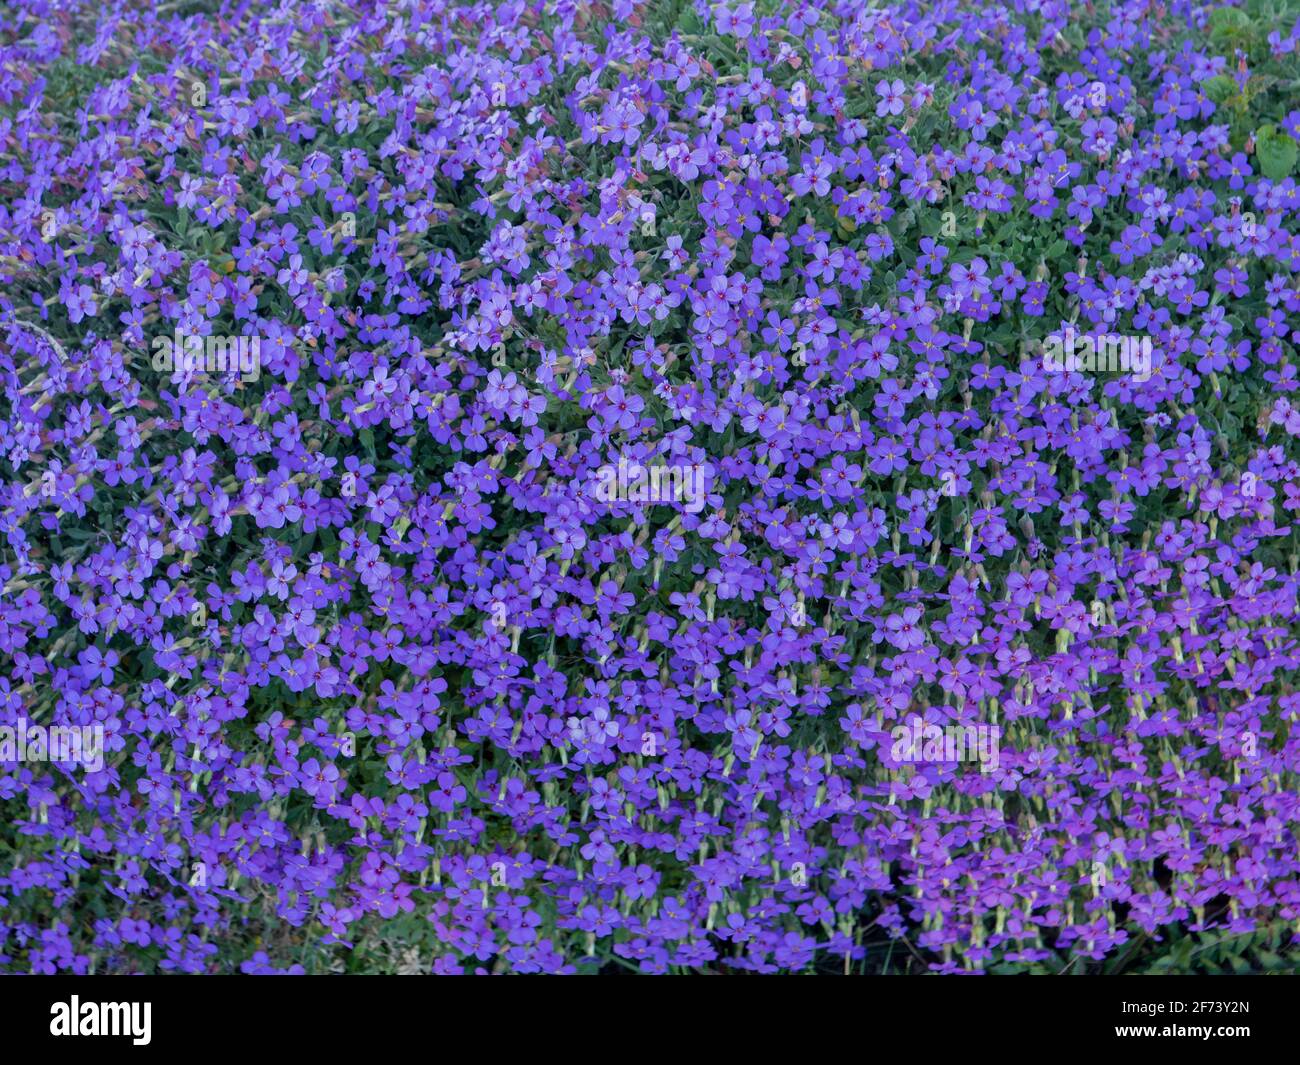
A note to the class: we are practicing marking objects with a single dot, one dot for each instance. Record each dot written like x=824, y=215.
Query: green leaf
x=1228, y=18
x=1220, y=87
x=1276, y=152
x=1230, y=27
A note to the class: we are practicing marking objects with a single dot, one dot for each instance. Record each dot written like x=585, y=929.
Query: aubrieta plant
x=941, y=615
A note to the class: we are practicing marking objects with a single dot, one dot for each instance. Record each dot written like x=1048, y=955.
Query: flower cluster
x=393, y=673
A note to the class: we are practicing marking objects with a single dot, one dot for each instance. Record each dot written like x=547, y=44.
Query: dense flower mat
x=510, y=482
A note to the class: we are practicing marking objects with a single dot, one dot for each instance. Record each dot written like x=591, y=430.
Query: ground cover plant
x=550, y=486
